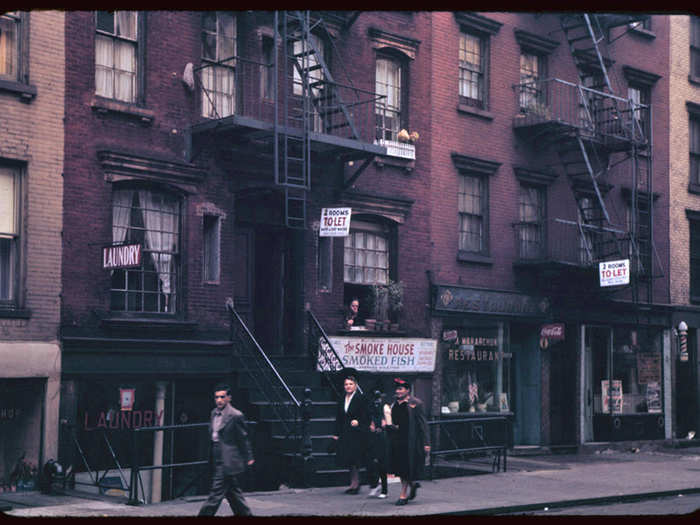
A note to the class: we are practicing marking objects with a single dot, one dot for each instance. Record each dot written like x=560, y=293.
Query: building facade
x=32, y=71
x=684, y=134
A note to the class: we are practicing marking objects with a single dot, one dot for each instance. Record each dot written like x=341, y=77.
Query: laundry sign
x=121, y=256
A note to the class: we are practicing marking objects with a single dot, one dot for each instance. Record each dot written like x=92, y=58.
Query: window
x=366, y=257
x=695, y=47
x=531, y=73
x=9, y=45
x=267, y=72
x=218, y=58
x=694, y=136
x=152, y=219
x=531, y=227
x=308, y=60
x=643, y=24
x=640, y=98
x=388, y=108
x=116, y=46
x=473, y=70
x=9, y=235
x=694, y=261
x=324, y=264
x=472, y=204
x=212, y=247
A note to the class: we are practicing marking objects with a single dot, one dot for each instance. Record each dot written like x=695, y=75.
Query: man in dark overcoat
x=230, y=453
x=410, y=440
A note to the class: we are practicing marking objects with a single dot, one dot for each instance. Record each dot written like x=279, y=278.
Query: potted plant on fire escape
x=395, y=299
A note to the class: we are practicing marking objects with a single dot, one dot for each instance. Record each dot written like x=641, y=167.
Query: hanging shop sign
x=376, y=354
x=121, y=256
x=614, y=273
x=551, y=333
x=126, y=398
x=335, y=222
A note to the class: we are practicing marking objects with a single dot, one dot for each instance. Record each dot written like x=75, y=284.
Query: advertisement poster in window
x=654, y=398
x=648, y=367
x=615, y=395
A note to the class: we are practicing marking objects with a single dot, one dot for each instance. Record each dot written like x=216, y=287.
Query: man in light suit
x=230, y=452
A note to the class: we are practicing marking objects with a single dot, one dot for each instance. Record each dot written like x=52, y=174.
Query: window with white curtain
x=531, y=73
x=10, y=26
x=219, y=64
x=366, y=255
x=9, y=235
x=531, y=215
x=152, y=219
x=473, y=69
x=116, y=61
x=388, y=106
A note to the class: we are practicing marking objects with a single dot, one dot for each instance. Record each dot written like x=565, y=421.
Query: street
x=683, y=504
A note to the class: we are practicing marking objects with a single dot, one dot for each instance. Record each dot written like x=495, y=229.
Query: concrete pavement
x=531, y=483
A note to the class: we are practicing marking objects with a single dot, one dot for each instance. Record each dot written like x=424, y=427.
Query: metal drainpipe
x=157, y=474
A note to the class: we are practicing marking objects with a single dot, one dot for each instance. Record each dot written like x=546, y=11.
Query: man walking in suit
x=230, y=452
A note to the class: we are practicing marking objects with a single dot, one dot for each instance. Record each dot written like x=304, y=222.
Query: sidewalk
x=531, y=482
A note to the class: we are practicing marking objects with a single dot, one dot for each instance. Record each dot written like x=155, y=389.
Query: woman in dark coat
x=351, y=429
x=410, y=440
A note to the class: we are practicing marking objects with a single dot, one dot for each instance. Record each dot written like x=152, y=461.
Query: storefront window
x=475, y=372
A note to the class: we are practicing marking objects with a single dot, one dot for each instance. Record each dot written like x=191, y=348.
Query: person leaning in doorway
x=352, y=426
x=410, y=440
x=230, y=453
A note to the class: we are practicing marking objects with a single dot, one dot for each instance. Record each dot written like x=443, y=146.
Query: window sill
x=395, y=162
x=12, y=313
x=694, y=188
x=104, y=105
x=646, y=33
x=694, y=80
x=469, y=257
x=26, y=92
x=471, y=110
x=150, y=323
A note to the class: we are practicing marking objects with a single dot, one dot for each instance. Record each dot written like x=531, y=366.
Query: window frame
x=215, y=67
x=693, y=257
x=539, y=224
x=267, y=51
x=643, y=115
x=139, y=85
x=694, y=155
x=482, y=182
x=211, y=254
x=537, y=92
x=483, y=74
x=694, y=44
x=14, y=300
x=401, y=119
x=177, y=257
x=324, y=263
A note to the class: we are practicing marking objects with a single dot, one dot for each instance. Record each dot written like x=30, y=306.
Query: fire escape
x=595, y=136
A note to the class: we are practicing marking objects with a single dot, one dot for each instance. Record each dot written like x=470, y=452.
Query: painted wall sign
x=613, y=273
x=335, y=222
x=459, y=299
x=121, y=256
x=123, y=419
x=376, y=354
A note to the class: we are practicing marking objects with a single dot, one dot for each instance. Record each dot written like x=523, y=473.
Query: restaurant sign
x=391, y=354
x=474, y=300
x=121, y=256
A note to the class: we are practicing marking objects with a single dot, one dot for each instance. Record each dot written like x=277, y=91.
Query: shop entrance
x=562, y=389
x=687, y=390
x=526, y=386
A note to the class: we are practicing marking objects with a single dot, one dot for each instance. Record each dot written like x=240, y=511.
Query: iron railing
x=593, y=113
x=562, y=241
x=324, y=355
x=241, y=87
x=264, y=375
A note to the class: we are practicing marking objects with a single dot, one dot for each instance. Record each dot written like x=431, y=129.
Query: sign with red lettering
x=126, y=398
x=377, y=354
x=121, y=256
x=614, y=273
x=335, y=222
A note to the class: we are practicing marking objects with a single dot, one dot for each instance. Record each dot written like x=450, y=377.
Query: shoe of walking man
x=230, y=453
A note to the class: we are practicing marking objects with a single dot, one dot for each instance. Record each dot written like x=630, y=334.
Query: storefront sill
x=23, y=313
x=475, y=414
x=149, y=323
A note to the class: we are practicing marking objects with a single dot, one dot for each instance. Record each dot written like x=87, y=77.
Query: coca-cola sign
x=553, y=332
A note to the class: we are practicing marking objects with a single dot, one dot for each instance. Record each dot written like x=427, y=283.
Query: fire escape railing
x=265, y=376
x=593, y=113
x=325, y=357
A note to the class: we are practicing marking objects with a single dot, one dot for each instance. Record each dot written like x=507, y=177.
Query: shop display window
x=476, y=371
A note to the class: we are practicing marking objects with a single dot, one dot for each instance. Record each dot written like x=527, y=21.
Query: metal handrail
x=330, y=356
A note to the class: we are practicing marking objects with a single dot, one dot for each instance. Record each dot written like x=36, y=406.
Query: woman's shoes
x=414, y=489
x=352, y=490
x=402, y=501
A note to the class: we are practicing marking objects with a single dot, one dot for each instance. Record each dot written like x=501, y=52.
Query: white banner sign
x=335, y=222
x=391, y=354
x=613, y=273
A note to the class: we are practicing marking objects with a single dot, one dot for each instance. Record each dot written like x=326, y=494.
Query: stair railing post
x=306, y=447
x=133, y=485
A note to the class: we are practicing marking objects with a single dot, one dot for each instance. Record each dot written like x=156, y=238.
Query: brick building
x=31, y=188
x=684, y=134
x=491, y=162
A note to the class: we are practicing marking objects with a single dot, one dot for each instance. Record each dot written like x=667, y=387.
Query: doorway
x=270, y=290
x=686, y=391
x=526, y=386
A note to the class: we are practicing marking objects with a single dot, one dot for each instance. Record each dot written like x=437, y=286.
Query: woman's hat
x=401, y=382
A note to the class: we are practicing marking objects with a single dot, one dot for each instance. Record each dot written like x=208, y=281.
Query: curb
x=621, y=498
